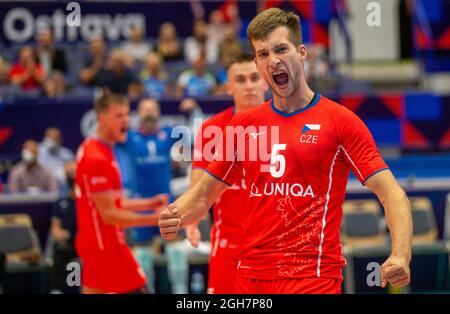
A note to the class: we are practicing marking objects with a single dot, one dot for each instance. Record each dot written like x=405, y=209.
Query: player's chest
x=310, y=143
x=152, y=147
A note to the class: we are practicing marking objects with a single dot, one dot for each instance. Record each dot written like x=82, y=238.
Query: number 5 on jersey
x=275, y=158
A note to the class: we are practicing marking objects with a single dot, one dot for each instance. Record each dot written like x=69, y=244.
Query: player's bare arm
x=111, y=215
x=190, y=207
x=144, y=204
x=192, y=231
x=395, y=269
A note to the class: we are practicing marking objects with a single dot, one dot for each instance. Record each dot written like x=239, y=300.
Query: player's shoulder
x=221, y=118
x=134, y=137
x=91, y=150
x=164, y=133
x=253, y=115
x=91, y=144
x=133, y=132
x=166, y=129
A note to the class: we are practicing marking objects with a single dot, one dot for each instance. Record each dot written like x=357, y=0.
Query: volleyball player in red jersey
x=291, y=240
x=102, y=212
x=247, y=88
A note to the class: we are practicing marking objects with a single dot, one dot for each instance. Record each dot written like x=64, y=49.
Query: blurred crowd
x=166, y=66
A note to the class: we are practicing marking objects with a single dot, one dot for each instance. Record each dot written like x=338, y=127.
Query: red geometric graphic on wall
x=412, y=136
x=5, y=134
x=352, y=102
x=395, y=103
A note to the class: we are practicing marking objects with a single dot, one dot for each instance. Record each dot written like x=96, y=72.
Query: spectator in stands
x=216, y=26
x=316, y=66
x=63, y=229
x=168, y=45
x=117, y=78
x=229, y=47
x=55, y=85
x=53, y=156
x=50, y=58
x=94, y=63
x=136, y=46
x=28, y=176
x=153, y=76
x=5, y=67
x=27, y=72
x=196, y=81
x=193, y=110
x=200, y=43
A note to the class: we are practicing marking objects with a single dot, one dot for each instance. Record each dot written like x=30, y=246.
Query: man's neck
x=297, y=101
x=240, y=108
x=103, y=138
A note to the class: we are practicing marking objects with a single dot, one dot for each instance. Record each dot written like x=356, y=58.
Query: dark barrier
x=38, y=207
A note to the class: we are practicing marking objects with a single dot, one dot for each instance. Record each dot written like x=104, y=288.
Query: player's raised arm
x=398, y=216
x=111, y=215
x=190, y=207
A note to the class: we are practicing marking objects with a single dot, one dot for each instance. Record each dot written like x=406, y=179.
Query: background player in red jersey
x=247, y=88
x=102, y=212
x=291, y=239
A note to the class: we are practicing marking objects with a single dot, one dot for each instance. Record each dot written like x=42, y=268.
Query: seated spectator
x=216, y=26
x=117, y=78
x=5, y=67
x=154, y=77
x=316, y=66
x=196, y=81
x=94, y=62
x=229, y=47
x=168, y=45
x=50, y=58
x=27, y=73
x=28, y=176
x=200, y=43
x=55, y=85
x=136, y=47
x=53, y=156
x=63, y=229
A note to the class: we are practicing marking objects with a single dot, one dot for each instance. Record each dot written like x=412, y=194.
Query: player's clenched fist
x=169, y=222
x=395, y=271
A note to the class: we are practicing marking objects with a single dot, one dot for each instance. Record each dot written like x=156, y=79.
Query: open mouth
x=281, y=78
x=123, y=130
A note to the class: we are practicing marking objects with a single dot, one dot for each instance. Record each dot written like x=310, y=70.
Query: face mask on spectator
x=28, y=157
x=51, y=144
x=148, y=122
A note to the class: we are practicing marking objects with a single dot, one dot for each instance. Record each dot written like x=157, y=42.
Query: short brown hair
x=268, y=20
x=240, y=57
x=105, y=101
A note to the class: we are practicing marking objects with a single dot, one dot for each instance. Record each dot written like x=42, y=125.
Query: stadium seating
x=18, y=240
x=425, y=230
x=361, y=224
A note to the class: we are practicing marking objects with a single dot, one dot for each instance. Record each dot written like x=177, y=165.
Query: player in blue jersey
x=147, y=170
